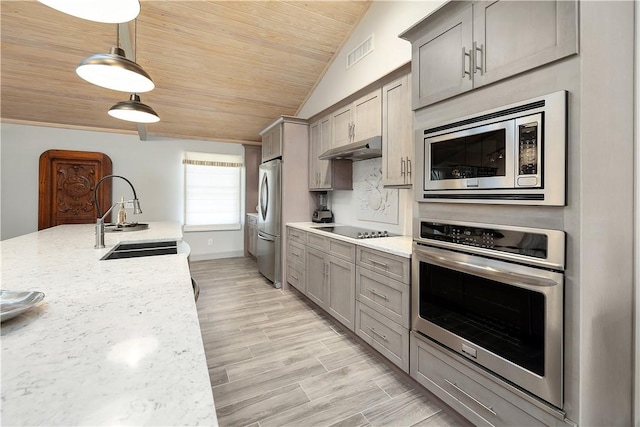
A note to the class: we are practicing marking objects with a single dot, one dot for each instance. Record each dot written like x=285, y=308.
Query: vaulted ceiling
x=223, y=69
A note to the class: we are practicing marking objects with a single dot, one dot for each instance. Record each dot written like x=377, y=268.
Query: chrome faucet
x=100, y=220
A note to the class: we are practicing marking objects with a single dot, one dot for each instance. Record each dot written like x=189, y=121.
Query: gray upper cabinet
x=272, y=143
x=326, y=174
x=358, y=120
x=397, y=133
x=521, y=35
x=464, y=46
x=442, y=60
x=318, y=169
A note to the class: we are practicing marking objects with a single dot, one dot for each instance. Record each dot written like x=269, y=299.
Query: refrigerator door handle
x=263, y=237
x=264, y=197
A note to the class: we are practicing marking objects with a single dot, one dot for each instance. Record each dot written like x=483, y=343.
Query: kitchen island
x=113, y=342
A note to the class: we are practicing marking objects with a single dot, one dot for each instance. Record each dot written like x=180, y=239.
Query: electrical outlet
x=210, y=242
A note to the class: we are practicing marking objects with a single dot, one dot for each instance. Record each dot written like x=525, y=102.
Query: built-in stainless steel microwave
x=515, y=154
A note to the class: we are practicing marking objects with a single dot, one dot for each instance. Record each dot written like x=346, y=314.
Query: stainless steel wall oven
x=513, y=154
x=495, y=295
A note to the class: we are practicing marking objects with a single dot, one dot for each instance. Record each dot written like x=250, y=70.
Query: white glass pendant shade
x=134, y=111
x=113, y=71
x=107, y=11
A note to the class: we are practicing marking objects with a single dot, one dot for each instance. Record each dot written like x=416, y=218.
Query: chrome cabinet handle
x=295, y=254
x=382, y=264
x=477, y=49
x=373, y=331
x=383, y=296
x=464, y=63
x=294, y=277
x=488, y=408
x=402, y=167
x=408, y=167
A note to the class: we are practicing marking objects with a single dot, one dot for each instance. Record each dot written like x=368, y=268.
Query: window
x=212, y=196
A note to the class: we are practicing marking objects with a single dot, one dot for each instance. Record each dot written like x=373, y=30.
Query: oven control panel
x=491, y=239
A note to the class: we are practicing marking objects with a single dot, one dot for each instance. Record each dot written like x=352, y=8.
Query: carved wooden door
x=66, y=184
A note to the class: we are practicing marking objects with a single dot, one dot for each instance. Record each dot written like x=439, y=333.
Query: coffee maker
x=322, y=214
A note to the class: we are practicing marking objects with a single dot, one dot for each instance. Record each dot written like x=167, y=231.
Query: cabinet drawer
x=389, y=265
x=343, y=250
x=296, y=277
x=387, y=296
x=296, y=253
x=389, y=338
x=317, y=241
x=337, y=248
x=293, y=234
x=475, y=402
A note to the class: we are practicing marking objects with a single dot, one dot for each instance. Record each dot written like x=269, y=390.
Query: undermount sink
x=142, y=249
x=132, y=226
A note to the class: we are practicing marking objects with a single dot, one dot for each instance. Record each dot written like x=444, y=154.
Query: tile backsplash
x=370, y=205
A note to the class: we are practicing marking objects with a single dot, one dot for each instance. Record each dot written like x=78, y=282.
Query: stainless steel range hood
x=361, y=150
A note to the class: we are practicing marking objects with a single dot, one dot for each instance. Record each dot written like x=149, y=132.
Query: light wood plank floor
x=275, y=359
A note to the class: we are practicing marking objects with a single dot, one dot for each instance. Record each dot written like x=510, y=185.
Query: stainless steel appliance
x=270, y=220
x=355, y=232
x=514, y=154
x=494, y=294
x=323, y=213
x=359, y=150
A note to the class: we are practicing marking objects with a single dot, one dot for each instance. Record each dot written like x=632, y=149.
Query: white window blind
x=212, y=191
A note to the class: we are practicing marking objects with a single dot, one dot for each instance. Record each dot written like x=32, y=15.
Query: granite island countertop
x=113, y=342
x=396, y=245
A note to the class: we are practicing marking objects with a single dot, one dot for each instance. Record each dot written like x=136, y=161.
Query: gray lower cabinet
x=469, y=392
x=296, y=262
x=364, y=289
x=389, y=338
x=383, y=299
x=331, y=284
x=341, y=282
x=252, y=226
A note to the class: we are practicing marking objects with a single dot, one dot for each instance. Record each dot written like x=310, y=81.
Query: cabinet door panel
x=314, y=151
x=341, y=128
x=315, y=277
x=517, y=36
x=324, y=166
x=439, y=57
x=342, y=291
x=397, y=132
x=367, y=116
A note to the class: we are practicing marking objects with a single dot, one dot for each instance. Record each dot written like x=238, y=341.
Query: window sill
x=212, y=227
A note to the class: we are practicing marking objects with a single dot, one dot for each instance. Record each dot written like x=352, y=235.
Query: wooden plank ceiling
x=223, y=69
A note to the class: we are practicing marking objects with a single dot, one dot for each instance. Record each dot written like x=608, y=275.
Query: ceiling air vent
x=360, y=51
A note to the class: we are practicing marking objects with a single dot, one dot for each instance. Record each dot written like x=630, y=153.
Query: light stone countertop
x=113, y=342
x=396, y=245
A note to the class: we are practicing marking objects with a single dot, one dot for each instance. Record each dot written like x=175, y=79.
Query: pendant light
x=107, y=11
x=114, y=71
x=134, y=111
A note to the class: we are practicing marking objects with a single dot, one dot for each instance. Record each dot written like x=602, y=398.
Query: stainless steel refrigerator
x=270, y=220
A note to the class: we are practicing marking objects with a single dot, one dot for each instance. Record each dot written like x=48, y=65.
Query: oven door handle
x=488, y=272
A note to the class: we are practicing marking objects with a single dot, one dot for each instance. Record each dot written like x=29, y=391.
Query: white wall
x=385, y=20
x=154, y=167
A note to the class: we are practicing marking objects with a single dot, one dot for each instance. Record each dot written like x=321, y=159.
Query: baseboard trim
x=216, y=255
